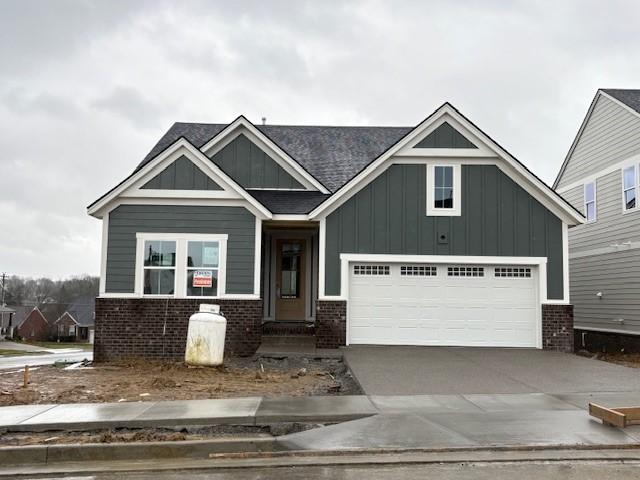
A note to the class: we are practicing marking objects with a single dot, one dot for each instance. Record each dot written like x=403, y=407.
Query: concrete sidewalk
x=320, y=409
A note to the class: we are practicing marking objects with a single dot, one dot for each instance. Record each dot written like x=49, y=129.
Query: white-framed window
x=590, y=201
x=181, y=265
x=465, y=271
x=418, y=271
x=443, y=190
x=371, y=270
x=629, y=188
x=513, y=272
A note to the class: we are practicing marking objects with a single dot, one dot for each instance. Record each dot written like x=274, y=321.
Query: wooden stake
x=26, y=376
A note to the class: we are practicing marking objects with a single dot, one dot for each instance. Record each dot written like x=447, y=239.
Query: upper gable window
x=443, y=190
x=629, y=186
x=590, y=201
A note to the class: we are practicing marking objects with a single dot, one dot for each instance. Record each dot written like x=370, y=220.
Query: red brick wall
x=133, y=327
x=34, y=327
x=557, y=328
x=331, y=323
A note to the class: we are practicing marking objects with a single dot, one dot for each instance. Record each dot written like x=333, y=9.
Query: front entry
x=290, y=279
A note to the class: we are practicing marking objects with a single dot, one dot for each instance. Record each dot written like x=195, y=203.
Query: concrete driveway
x=382, y=370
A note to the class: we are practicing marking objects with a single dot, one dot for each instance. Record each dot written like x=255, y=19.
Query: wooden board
x=618, y=417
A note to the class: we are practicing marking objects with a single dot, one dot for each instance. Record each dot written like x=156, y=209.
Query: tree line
x=39, y=291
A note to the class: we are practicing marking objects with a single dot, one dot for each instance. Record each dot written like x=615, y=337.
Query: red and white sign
x=203, y=278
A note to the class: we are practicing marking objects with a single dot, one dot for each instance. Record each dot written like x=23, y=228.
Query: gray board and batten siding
x=182, y=174
x=127, y=220
x=499, y=218
x=251, y=167
x=610, y=136
x=445, y=136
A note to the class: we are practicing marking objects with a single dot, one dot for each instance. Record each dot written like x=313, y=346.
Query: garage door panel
x=440, y=309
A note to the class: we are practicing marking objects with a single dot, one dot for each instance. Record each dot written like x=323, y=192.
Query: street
x=613, y=470
x=7, y=363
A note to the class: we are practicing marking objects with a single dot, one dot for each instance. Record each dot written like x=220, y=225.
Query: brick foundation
x=557, y=328
x=606, y=342
x=331, y=324
x=133, y=327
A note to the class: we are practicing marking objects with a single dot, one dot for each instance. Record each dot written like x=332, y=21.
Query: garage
x=443, y=304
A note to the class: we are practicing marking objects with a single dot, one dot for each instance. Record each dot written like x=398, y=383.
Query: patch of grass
x=5, y=352
x=84, y=346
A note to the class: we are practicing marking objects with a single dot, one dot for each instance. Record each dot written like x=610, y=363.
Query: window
x=159, y=267
x=513, y=272
x=465, y=271
x=290, y=267
x=590, y=201
x=371, y=269
x=418, y=271
x=181, y=264
x=202, y=268
x=443, y=190
x=629, y=184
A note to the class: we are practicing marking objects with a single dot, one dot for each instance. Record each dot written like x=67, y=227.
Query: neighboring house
x=601, y=177
x=6, y=320
x=33, y=325
x=77, y=322
x=426, y=235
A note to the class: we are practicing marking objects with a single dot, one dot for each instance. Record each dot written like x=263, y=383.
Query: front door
x=290, y=280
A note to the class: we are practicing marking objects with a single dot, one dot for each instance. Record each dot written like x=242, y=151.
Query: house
x=425, y=235
x=77, y=322
x=6, y=321
x=32, y=325
x=600, y=176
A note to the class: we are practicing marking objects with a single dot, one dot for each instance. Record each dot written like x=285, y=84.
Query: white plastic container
x=205, y=337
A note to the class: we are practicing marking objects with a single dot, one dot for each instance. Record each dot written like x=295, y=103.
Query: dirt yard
x=627, y=359
x=152, y=381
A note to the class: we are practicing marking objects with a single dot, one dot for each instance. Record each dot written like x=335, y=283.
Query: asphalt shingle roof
x=333, y=155
x=282, y=201
x=631, y=98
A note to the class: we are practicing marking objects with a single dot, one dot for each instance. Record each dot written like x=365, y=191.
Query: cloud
x=87, y=87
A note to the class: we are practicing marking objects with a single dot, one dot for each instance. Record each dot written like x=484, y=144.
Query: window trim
x=626, y=210
x=156, y=267
x=594, y=201
x=432, y=211
x=181, y=239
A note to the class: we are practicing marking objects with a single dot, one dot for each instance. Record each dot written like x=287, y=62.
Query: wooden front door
x=290, y=279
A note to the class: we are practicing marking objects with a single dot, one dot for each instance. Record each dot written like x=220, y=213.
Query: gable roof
x=333, y=155
x=627, y=98
x=82, y=311
x=286, y=202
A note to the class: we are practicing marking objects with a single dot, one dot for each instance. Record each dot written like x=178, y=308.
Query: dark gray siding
x=445, y=136
x=248, y=165
x=182, y=175
x=499, y=218
x=126, y=220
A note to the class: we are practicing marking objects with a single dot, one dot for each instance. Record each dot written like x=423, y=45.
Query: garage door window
x=465, y=271
x=513, y=272
x=418, y=271
x=371, y=269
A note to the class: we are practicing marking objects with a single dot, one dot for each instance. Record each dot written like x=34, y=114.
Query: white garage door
x=463, y=305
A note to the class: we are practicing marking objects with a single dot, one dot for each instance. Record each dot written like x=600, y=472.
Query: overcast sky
x=87, y=87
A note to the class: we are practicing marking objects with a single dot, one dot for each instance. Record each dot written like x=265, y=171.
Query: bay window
x=180, y=265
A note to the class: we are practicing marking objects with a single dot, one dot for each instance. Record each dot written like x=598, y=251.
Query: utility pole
x=4, y=275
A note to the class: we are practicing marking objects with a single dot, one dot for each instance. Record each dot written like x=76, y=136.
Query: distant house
x=77, y=322
x=33, y=326
x=6, y=320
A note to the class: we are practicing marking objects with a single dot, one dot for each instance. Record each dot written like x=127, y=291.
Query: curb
x=32, y=455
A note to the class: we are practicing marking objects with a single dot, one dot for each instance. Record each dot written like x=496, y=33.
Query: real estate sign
x=203, y=278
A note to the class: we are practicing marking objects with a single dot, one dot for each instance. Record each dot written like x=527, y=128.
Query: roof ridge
x=302, y=126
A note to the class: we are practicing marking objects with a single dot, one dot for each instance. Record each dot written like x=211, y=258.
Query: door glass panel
x=290, y=270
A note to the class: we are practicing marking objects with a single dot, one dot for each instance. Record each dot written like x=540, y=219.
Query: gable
x=182, y=174
x=251, y=167
x=609, y=134
x=445, y=136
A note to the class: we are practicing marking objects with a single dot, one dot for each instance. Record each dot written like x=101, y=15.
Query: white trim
x=257, y=258
x=120, y=295
x=160, y=193
x=513, y=168
x=243, y=126
x=103, y=253
x=322, y=243
x=636, y=188
x=271, y=189
x=290, y=217
x=600, y=173
x=431, y=210
x=565, y=264
x=594, y=201
x=147, y=172
x=605, y=330
x=180, y=268
x=202, y=202
x=237, y=296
